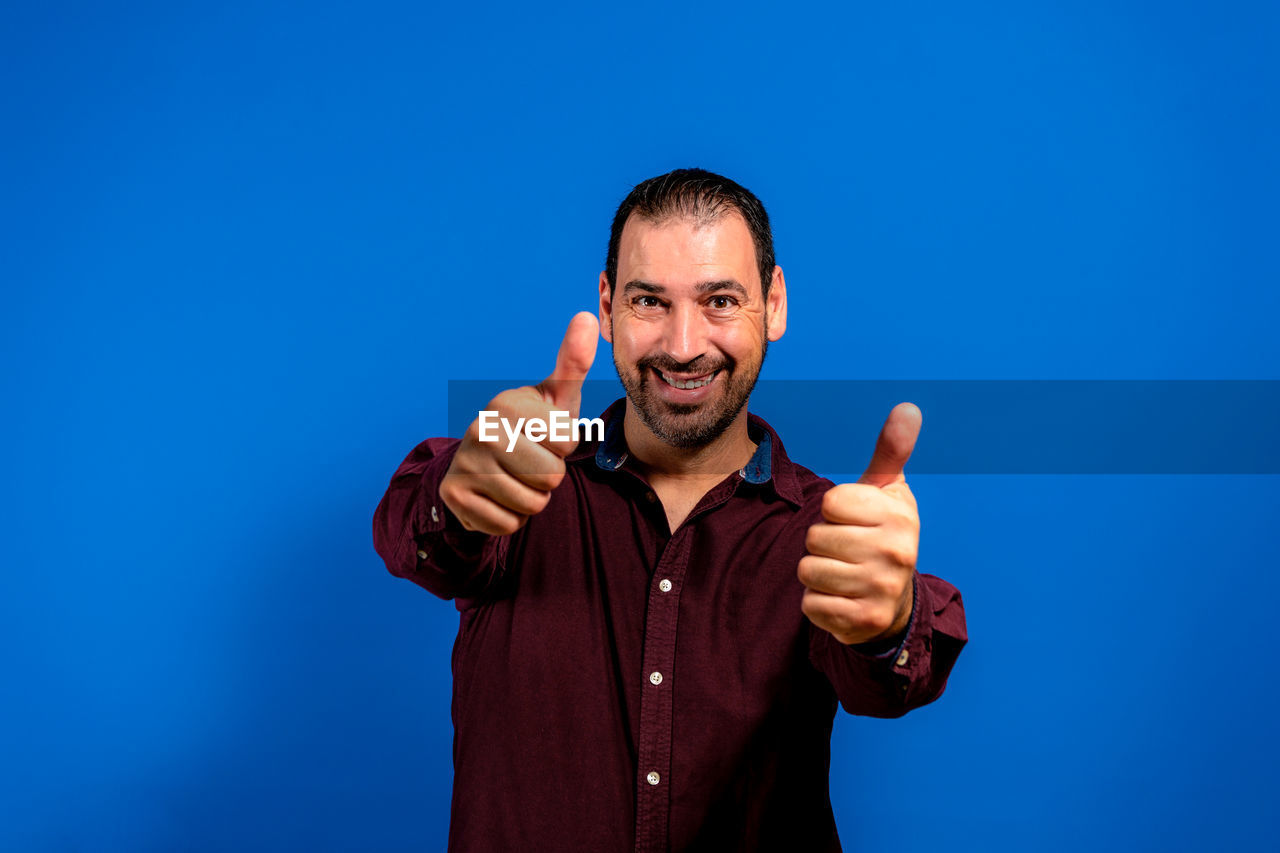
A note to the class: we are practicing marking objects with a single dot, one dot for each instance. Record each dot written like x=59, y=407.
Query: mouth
x=686, y=382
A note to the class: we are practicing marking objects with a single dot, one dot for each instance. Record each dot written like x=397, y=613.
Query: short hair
x=702, y=196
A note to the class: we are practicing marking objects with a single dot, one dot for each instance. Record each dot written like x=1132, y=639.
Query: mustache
x=667, y=364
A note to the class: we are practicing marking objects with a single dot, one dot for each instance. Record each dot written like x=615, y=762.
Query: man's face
x=688, y=323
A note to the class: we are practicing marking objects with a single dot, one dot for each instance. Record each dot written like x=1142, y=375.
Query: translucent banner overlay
x=998, y=426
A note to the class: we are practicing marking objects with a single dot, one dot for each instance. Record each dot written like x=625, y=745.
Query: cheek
x=743, y=340
x=632, y=340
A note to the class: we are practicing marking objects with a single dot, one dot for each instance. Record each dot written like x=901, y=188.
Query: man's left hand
x=862, y=558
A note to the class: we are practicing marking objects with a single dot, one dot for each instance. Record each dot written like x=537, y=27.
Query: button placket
x=653, y=798
x=653, y=801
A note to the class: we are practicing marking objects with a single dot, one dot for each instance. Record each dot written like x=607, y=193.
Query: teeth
x=685, y=384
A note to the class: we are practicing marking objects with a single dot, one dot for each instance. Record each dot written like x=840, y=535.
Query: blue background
x=246, y=245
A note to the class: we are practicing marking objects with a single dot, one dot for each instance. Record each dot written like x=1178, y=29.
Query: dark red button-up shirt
x=621, y=686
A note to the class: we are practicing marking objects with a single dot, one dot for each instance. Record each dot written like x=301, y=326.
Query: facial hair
x=697, y=424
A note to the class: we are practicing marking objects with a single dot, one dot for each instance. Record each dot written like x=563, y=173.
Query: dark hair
x=698, y=195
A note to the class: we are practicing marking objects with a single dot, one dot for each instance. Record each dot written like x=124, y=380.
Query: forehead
x=682, y=252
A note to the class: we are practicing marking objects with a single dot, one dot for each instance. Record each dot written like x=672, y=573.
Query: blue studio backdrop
x=247, y=246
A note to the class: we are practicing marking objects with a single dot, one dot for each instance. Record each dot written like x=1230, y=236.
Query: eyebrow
x=701, y=287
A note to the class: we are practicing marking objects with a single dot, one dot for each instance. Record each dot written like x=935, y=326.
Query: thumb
x=893, y=447
x=563, y=388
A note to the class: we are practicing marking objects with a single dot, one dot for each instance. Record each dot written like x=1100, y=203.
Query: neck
x=728, y=452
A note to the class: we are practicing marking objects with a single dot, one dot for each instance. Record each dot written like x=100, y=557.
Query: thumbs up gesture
x=862, y=556
x=494, y=486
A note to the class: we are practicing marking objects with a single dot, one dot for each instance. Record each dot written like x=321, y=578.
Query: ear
x=776, y=305
x=606, y=309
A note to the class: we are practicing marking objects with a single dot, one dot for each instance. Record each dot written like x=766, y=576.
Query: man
x=656, y=626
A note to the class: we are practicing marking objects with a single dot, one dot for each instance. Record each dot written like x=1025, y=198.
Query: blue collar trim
x=612, y=453
x=760, y=468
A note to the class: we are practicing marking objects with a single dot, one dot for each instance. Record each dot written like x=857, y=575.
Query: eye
x=720, y=302
x=646, y=301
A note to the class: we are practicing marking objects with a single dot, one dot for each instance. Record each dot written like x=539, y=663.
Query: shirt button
x=664, y=585
x=653, y=777
x=655, y=677
x=434, y=516
x=422, y=555
x=902, y=658
x=650, y=497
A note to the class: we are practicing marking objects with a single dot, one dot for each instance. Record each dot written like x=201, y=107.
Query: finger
x=563, y=388
x=848, y=543
x=855, y=503
x=480, y=513
x=508, y=492
x=893, y=447
x=533, y=464
x=849, y=620
x=834, y=577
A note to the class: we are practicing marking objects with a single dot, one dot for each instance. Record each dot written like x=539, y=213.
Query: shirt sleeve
x=875, y=681
x=421, y=540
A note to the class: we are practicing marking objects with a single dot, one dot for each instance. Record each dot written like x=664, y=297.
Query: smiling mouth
x=689, y=383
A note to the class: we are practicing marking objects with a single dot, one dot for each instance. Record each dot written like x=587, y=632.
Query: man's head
x=700, y=196
x=690, y=298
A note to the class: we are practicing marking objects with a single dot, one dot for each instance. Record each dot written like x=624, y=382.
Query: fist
x=862, y=557
x=494, y=488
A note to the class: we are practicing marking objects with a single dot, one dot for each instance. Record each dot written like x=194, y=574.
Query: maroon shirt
x=618, y=686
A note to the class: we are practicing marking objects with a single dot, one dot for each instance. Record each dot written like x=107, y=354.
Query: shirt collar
x=612, y=452
x=768, y=465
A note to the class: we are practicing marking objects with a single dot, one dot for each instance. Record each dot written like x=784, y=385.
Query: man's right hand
x=494, y=491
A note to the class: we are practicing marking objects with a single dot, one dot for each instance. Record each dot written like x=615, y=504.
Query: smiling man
x=657, y=625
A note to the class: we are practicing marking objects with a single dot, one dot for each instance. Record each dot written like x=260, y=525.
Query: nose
x=685, y=337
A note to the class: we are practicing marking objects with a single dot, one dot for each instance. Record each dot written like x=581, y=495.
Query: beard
x=692, y=424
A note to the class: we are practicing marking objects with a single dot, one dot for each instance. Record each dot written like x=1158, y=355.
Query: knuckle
x=880, y=618
x=849, y=500
x=538, y=503
x=508, y=525
x=813, y=538
x=548, y=477
x=806, y=570
x=903, y=518
x=903, y=553
x=452, y=491
x=889, y=586
x=831, y=500
x=842, y=626
x=809, y=606
x=840, y=496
